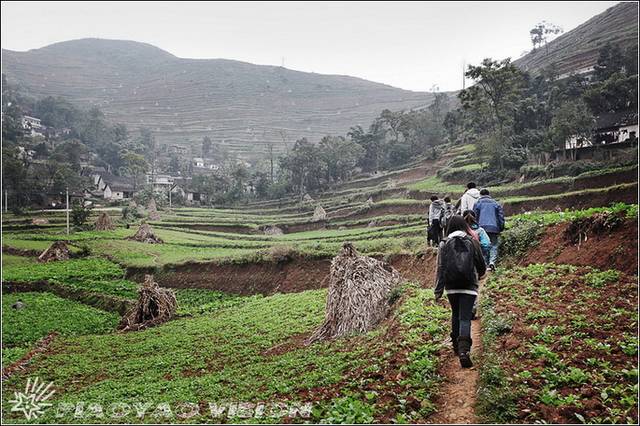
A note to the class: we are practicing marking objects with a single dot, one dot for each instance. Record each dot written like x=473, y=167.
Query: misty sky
x=409, y=45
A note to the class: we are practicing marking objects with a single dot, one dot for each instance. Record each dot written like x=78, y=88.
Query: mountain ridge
x=240, y=105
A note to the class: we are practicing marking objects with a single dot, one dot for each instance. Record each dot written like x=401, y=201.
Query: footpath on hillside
x=458, y=393
x=456, y=403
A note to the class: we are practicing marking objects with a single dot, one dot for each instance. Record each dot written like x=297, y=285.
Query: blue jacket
x=489, y=214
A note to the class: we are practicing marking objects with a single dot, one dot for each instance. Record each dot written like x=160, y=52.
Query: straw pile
x=104, y=223
x=56, y=251
x=358, y=298
x=155, y=305
x=319, y=214
x=145, y=234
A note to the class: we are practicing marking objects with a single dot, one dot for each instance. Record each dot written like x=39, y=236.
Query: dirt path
x=456, y=405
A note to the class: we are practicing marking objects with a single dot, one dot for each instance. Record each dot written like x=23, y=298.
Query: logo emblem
x=32, y=401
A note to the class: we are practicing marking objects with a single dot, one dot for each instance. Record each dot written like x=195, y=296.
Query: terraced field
x=248, y=300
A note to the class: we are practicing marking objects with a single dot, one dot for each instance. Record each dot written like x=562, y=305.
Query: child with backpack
x=483, y=237
x=460, y=264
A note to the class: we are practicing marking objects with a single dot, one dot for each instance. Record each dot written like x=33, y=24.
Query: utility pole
x=463, y=78
x=67, y=210
x=170, y=196
x=6, y=197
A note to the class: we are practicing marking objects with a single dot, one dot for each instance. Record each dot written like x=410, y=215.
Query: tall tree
x=206, y=146
x=493, y=100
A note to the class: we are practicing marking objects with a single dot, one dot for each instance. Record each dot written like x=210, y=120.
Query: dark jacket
x=489, y=214
x=457, y=247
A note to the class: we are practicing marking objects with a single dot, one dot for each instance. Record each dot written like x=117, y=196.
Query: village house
x=613, y=131
x=160, y=182
x=115, y=187
x=32, y=125
x=191, y=195
x=178, y=149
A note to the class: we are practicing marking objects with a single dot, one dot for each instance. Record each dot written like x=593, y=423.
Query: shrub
x=534, y=171
x=80, y=213
x=521, y=236
x=282, y=253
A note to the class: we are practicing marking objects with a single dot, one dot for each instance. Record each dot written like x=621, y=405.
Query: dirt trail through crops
x=457, y=400
x=456, y=405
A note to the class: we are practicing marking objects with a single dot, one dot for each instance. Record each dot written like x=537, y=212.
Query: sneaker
x=492, y=267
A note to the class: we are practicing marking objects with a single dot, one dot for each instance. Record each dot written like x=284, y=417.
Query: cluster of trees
x=50, y=164
x=515, y=117
x=393, y=139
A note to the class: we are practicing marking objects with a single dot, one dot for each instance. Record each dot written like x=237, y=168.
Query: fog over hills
x=237, y=104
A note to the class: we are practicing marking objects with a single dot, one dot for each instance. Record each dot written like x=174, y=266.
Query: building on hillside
x=160, y=182
x=613, y=131
x=198, y=162
x=93, y=172
x=587, y=72
x=178, y=149
x=32, y=125
x=115, y=187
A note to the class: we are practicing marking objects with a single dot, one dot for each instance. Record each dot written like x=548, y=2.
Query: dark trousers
x=435, y=232
x=461, y=313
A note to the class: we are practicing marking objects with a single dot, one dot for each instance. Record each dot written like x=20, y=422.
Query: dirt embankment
x=97, y=300
x=624, y=194
x=601, y=181
x=383, y=210
x=233, y=229
x=275, y=277
x=617, y=249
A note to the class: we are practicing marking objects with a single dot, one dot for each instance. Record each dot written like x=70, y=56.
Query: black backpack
x=458, y=261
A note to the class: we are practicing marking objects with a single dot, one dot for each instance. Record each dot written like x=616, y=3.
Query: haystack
x=145, y=234
x=319, y=214
x=104, y=223
x=56, y=251
x=153, y=210
x=155, y=305
x=307, y=198
x=358, y=298
x=272, y=230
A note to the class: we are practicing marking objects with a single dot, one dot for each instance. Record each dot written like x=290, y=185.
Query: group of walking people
x=467, y=237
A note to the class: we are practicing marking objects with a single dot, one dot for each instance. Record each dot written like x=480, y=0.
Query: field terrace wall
x=267, y=278
x=626, y=193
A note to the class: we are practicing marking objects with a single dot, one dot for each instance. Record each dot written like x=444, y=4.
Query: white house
x=115, y=187
x=198, y=162
x=32, y=125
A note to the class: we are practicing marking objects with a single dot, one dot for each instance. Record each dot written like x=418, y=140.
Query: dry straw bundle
x=153, y=210
x=155, y=305
x=56, y=251
x=104, y=223
x=319, y=214
x=358, y=297
x=145, y=234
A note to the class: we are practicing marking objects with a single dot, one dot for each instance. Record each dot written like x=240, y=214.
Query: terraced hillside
x=578, y=48
x=248, y=297
x=240, y=105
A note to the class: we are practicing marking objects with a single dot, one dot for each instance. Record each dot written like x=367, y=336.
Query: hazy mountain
x=578, y=48
x=182, y=100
